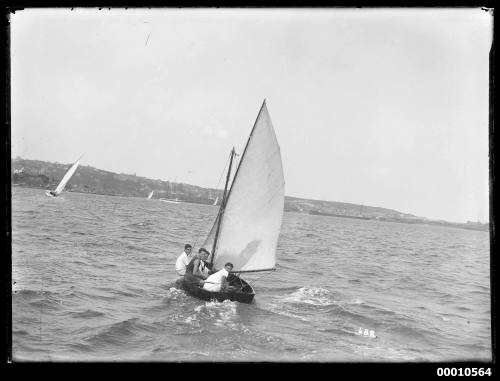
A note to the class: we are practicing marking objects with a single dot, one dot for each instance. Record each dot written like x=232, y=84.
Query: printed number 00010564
x=463, y=372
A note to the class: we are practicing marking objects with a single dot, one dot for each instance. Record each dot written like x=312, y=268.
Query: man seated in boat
x=183, y=260
x=194, y=273
x=205, y=266
x=53, y=193
x=218, y=281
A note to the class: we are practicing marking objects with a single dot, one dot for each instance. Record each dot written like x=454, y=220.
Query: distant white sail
x=66, y=177
x=216, y=199
x=151, y=195
x=251, y=220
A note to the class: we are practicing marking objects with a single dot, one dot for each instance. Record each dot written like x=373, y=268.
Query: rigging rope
x=205, y=220
x=222, y=173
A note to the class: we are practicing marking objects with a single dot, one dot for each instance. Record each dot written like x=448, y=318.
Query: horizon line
x=303, y=198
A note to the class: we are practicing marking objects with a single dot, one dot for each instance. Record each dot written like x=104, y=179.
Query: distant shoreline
x=481, y=227
x=46, y=175
x=104, y=194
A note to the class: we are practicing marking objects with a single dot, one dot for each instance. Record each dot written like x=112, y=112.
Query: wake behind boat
x=246, y=229
x=65, y=179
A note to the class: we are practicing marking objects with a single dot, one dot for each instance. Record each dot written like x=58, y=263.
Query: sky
x=381, y=107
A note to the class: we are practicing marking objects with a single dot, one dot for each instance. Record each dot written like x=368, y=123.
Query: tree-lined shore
x=87, y=179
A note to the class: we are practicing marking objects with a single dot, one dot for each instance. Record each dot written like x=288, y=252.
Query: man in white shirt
x=217, y=281
x=183, y=260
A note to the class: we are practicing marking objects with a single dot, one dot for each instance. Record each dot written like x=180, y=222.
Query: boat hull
x=171, y=201
x=243, y=294
x=48, y=193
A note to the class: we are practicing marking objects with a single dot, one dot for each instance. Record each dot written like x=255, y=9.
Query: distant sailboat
x=246, y=229
x=170, y=200
x=216, y=199
x=151, y=195
x=176, y=201
x=64, y=180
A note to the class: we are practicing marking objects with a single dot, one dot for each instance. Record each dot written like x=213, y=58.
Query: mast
x=222, y=207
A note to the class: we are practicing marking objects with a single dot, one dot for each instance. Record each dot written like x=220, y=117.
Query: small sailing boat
x=216, y=199
x=171, y=200
x=64, y=180
x=176, y=201
x=151, y=195
x=246, y=229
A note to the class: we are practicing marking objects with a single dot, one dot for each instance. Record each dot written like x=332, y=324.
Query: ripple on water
x=417, y=286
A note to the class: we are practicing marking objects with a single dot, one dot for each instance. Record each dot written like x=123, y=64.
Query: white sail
x=216, y=199
x=251, y=220
x=209, y=241
x=151, y=195
x=67, y=177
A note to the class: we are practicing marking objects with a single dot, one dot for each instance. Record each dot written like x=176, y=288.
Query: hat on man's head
x=202, y=249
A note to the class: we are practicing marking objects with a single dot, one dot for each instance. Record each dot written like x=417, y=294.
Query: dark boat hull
x=244, y=292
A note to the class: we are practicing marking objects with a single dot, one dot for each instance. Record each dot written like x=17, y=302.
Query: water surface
x=94, y=281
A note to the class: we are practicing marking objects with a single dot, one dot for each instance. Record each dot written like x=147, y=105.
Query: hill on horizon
x=87, y=179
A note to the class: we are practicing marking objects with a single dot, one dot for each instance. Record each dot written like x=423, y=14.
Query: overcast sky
x=381, y=107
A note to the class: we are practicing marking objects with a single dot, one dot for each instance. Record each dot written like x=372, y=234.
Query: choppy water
x=94, y=281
